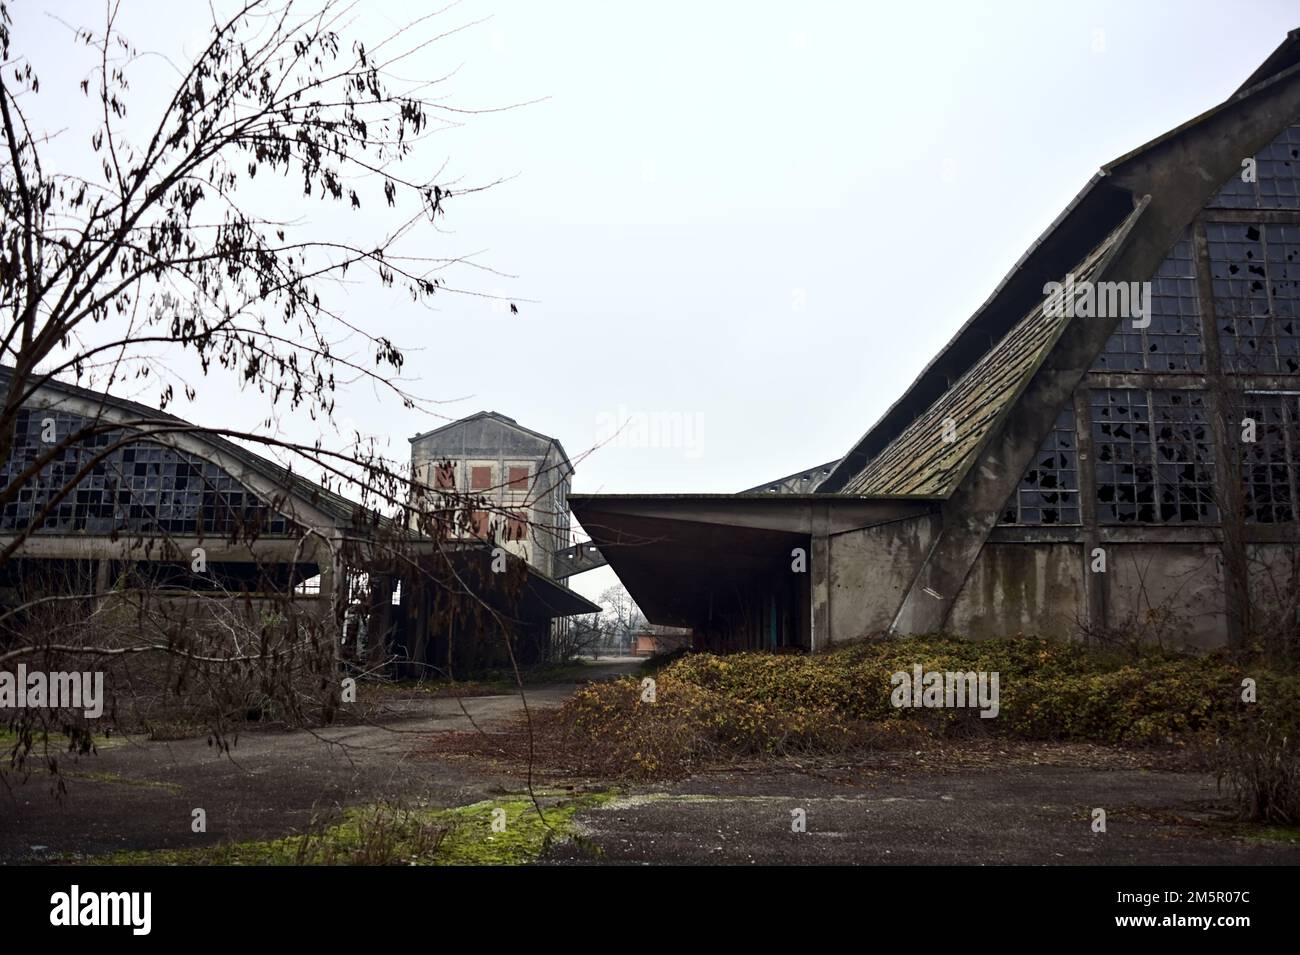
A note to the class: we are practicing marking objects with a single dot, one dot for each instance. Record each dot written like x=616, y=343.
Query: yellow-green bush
x=1047, y=690
x=709, y=707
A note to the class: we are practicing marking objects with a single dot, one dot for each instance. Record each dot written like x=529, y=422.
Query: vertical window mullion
x=1290, y=434
x=1157, y=485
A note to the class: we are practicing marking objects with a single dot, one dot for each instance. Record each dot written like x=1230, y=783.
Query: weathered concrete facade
x=521, y=479
x=492, y=448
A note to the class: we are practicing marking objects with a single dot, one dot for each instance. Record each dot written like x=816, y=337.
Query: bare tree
x=621, y=617
x=584, y=635
x=170, y=258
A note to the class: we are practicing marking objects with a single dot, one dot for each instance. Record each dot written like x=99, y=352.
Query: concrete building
x=522, y=480
x=523, y=477
x=144, y=506
x=1073, y=464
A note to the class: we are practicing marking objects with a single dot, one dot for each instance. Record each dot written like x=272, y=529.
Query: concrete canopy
x=540, y=596
x=682, y=556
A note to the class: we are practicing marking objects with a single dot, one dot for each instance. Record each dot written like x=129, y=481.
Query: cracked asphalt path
x=1039, y=815
x=140, y=795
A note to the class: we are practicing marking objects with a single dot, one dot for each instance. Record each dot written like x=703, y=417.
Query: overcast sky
x=755, y=221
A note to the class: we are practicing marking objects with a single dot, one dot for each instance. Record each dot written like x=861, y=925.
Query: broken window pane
x=1154, y=457
x=1049, y=491
x=1184, y=454
x=1172, y=340
x=1124, y=350
x=1254, y=272
x=1270, y=465
x=1282, y=252
x=144, y=488
x=1240, y=286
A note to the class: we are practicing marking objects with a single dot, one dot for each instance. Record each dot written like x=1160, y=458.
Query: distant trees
x=608, y=631
x=621, y=615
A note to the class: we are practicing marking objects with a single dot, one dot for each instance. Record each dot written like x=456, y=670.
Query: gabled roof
x=503, y=419
x=494, y=415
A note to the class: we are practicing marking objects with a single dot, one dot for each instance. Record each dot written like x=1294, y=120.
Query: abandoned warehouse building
x=147, y=491
x=1076, y=463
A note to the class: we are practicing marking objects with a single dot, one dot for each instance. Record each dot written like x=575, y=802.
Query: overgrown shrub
x=689, y=726
x=711, y=707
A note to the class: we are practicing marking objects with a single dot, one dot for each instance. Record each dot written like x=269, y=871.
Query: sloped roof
x=797, y=483
x=494, y=415
x=1093, y=214
x=1099, y=208
x=922, y=459
x=344, y=511
x=1284, y=57
x=504, y=419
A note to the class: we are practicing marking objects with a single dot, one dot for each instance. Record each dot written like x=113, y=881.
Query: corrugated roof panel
x=928, y=458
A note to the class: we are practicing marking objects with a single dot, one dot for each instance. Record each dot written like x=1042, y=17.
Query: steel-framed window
x=1154, y=456
x=1172, y=341
x=141, y=487
x=1049, y=491
x=1270, y=465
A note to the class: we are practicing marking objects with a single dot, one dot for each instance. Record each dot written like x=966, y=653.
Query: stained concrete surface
x=1040, y=815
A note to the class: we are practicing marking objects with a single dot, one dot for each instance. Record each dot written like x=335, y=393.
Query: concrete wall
x=1170, y=593
x=1014, y=588
x=1274, y=575
x=870, y=570
x=1167, y=593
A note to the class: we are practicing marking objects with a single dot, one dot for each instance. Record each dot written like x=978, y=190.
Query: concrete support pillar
x=1227, y=405
x=103, y=581
x=1094, y=584
x=419, y=635
x=820, y=559
x=380, y=617
x=332, y=600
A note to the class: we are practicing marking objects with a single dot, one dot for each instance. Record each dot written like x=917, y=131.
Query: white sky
x=764, y=218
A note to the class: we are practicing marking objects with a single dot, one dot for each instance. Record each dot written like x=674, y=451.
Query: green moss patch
x=117, y=779
x=476, y=834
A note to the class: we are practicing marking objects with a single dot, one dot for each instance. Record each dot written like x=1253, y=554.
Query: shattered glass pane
x=142, y=488
x=1270, y=465
x=1256, y=277
x=1154, y=457
x=1049, y=491
x=1240, y=285
x=1172, y=340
